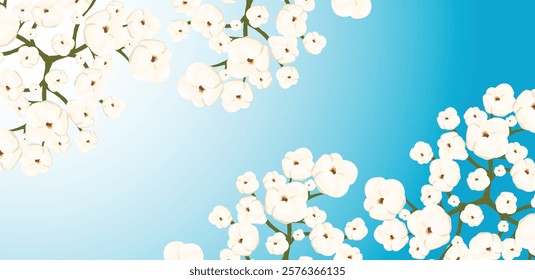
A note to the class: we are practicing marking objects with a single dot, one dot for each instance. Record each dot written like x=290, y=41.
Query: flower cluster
x=287, y=201
x=491, y=154
x=248, y=56
x=55, y=56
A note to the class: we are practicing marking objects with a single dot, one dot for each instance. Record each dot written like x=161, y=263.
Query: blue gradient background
x=374, y=91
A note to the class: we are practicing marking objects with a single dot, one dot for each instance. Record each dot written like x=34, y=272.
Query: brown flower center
x=153, y=58
x=284, y=199
x=106, y=28
x=49, y=125
x=333, y=170
x=381, y=200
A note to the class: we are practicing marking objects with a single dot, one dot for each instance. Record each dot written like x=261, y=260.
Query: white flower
x=228, y=255
x=247, y=56
x=448, y=119
x=284, y=49
x=404, y=214
x=19, y=107
x=417, y=249
x=486, y=246
x=56, y=79
x=61, y=143
x=23, y=10
x=224, y=75
x=478, y=180
x=315, y=216
x=36, y=159
x=277, y=244
x=219, y=43
x=62, y=44
x=236, y=95
x=103, y=34
x=11, y=86
x=334, y=175
x=356, y=229
x=261, y=80
x=516, y=152
x=46, y=121
x=503, y=226
x=116, y=8
x=48, y=13
x=77, y=18
x=310, y=185
x=112, y=107
x=83, y=114
x=178, y=30
x=141, y=24
x=500, y=171
x=257, y=16
x=356, y=9
x=326, y=239
x=243, y=239
x=523, y=173
x=525, y=110
x=86, y=140
x=457, y=241
x=186, y=7
x=452, y=146
x=150, y=61
x=307, y=5
x=10, y=151
x=292, y=21
x=445, y=174
x=29, y=56
x=220, y=217
x=89, y=84
x=247, y=183
x=287, y=203
x=287, y=77
x=511, y=249
x=80, y=6
x=499, y=101
x=314, y=42
x=432, y=224
x=488, y=139
x=236, y=25
x=80, y=58
x=201, y=85
x=472, y=215
x=251, y=211
x=208, y=20
x=421, y=153
x=458, y=252
x=454, y=201
x=511, y=121
x=392, y=235
x=430, y=195
x=272, y=179
x=32, y=34
x=384, y=198
x=474, y=115
x=298, y=164
x=177, y=250
x=298, y=235
x=525, y=233
x=345, y=253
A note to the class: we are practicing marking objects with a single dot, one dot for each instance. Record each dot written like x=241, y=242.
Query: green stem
x=522, y=208
x=261, y=32
x=290, y=240
x=89, y=8
x=222, y=63
x=271, y=226
x=121, y=52
x=244, y=19
x=473, y=162
x=314, y=195
x=457, y=232
x=10, y=52
x=60, y=96
x=513, y=132
x=248, y=258
x=22, y=127
x=412, y=206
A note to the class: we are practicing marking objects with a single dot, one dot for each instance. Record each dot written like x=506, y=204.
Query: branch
x=513, y=132
x=10, y=52
x=473, y=162
x=414, y=208
x=222, y=63
x=121, y=52
x=271, y=226
x=290, y=240
x=22, y=127
x=89, y=8
x=261, y=32
x=314, y=195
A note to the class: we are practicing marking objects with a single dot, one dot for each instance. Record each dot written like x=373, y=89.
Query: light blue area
x=374, y=91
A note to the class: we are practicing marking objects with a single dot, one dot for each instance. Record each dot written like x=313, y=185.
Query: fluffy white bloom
x=220, y=43
x=314, y=43
x=11, y=85
x=62, y=44
x=10, y=151
x=334, y=175
x=186, y=7
x=356, y=229
x=523, y=173
x=503, y=226
x=457, y=241
x=236, y=25
x=478, y=180
x=83, y=114
x=474, y=115
x=79, y=6
x=356, y=9
x=19, y=107
x=177, y=250
x=500, y=171
x=56, y=79
x=178, y=30
x=511, y=249
x=298, y=235
x=208, y=20
x=201, y=85
x=224, y=75
x=292, y=21
x=417, y=248
x=32, y=34
x=404, y=214
x=454, y=201
x=315, y=216
x=46, y=121
x=247, y=183
x=284, y=49
x=61, y=143
x=472, y=215
x=448, y=119
x=310, y=185
x=247, y=56
x=307, y=5
x=525, y=110
x=458, y=252
x=326, y=239
x=261, y=80
x=287, y=203
x=445, y=174
x=103, y=33
x=29, y=56
x=243, y=239
x=499, y=101
x=277, y=244
x=36, y=159
x=287, y=77
x=48, y=13
x=272, y=179
x=112, y=107
x=345, y=253
x=220, y=217
x=392, y=235
x=511, y=121
x=141, y=24
x=116, y=8
x=149, y=61
x=23, y=10
x=257, y=16
x=525, y=233
x=452, y=146
x=421, y=153
x=432, y=224
x=86, y=140
x=251, y=211
x=384, y=198
x=89, y=84
x=236, y=95
x=488, y=139
x=486, y=246
x=430, y=195
x=516, y=152
x=298, y=164
x=228, y=255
